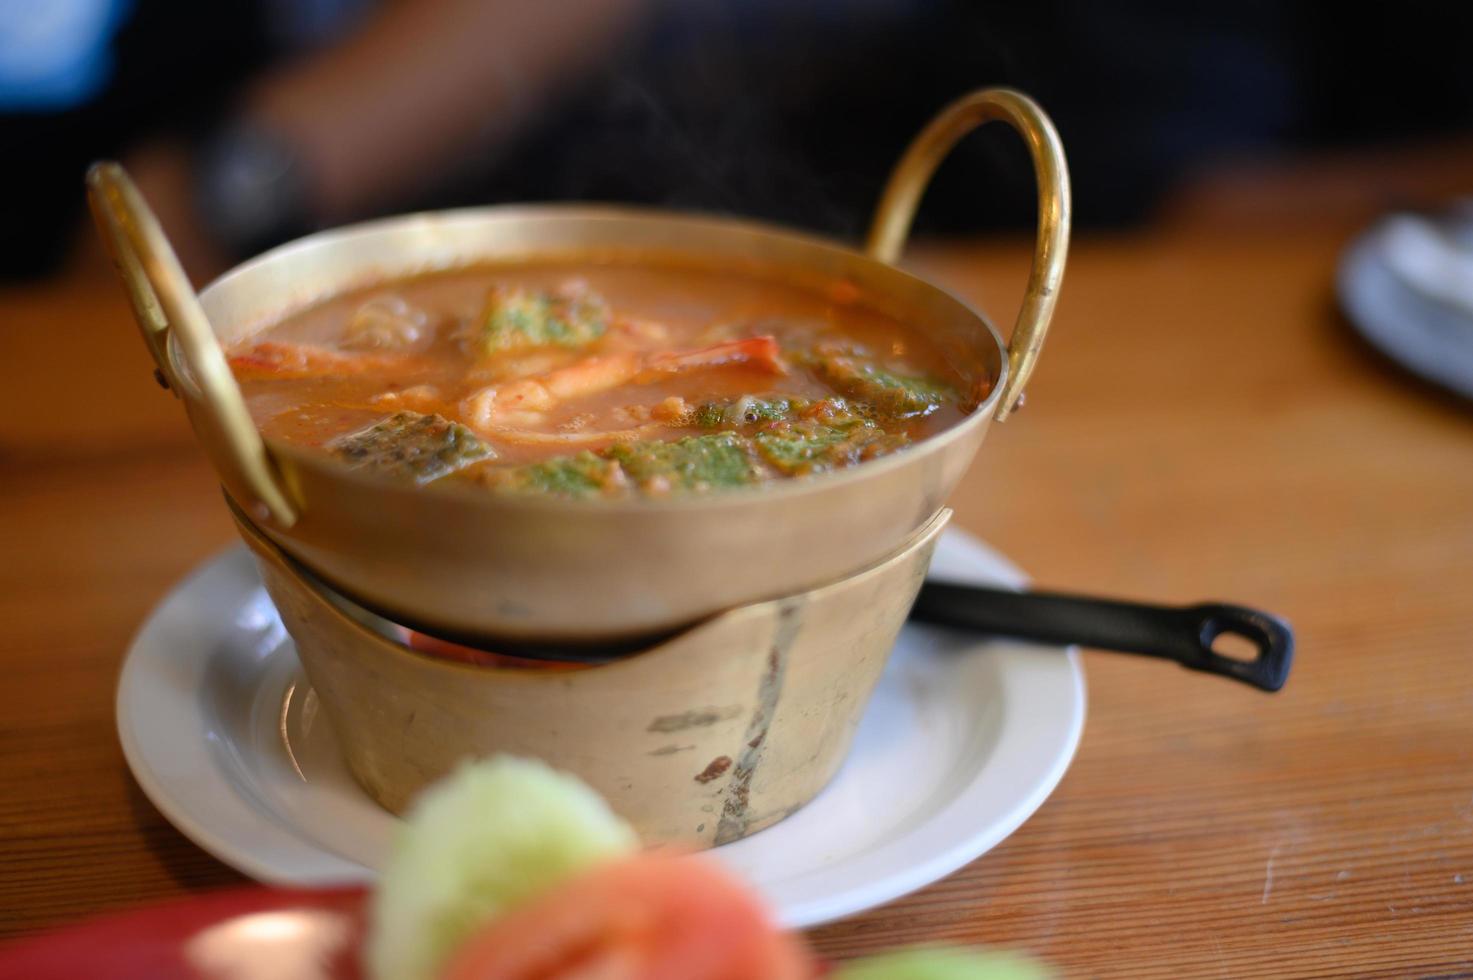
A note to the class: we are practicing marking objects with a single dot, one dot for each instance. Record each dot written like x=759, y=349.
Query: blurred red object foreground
x=650, y=917
x=655, y=918
x=243, y=934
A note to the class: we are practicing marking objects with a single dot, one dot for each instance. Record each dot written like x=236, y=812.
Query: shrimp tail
x=760, y=352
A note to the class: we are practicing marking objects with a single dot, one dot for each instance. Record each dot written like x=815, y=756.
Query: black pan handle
x=1181, y=633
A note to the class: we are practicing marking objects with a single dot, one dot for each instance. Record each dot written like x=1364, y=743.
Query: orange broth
x=678, y=350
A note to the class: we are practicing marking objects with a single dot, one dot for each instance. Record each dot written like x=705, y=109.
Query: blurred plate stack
x=1407, y=287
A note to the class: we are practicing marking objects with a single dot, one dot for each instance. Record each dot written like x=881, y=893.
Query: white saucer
x=964, y=740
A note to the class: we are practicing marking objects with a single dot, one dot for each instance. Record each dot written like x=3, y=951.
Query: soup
x=591, y=379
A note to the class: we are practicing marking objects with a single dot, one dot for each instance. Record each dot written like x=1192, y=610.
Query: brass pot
x=485, y=565
x=703, y=739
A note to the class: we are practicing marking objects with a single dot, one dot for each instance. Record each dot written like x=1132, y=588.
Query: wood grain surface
x=1202, y=426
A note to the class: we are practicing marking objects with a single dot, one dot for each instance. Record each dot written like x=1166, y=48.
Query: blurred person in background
x=248, y=122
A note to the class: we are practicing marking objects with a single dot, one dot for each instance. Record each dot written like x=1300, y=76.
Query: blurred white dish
x=1407, y=287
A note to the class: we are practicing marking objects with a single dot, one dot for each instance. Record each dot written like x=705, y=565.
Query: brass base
x=709, y=736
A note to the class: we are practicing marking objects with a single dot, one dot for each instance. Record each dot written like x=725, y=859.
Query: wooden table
x=1203, y=426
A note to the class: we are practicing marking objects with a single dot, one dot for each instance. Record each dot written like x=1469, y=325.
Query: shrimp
x=760, y=352
x=625, y=333
x=525, y=400
x=274, y=359
x=385, y=323
x=525, y=403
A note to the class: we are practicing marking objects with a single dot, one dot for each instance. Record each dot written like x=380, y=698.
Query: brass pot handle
x=165, y=303
x=909, y=178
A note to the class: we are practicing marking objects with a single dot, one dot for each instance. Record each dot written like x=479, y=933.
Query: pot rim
x=302, y=458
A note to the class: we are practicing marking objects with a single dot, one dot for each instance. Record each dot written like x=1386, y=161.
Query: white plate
x=964, y=739
x=1401, y=287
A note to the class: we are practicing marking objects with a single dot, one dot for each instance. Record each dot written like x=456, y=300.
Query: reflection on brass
x=470, y=563
x=791, y=676
x=908, y=181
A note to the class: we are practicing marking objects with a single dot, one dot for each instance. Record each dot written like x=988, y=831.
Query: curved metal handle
x=909, y=178
x=164, y=302
x=1181, y=633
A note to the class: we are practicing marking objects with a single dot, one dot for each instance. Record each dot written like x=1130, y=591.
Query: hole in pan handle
x=1182, y=633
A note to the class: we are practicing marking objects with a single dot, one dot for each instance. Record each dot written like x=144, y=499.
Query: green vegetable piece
x=521, y=319
x=942, y=963
x=695, y=464
x=711, y=415
x=893, y=395
x=814, y=447
x=715, y=461
x=836, y=411
x=411, y=446
x=581, y=475
x=490, y=836
x=795, y=451
x=747, y=410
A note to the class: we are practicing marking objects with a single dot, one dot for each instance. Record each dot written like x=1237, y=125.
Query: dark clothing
x=795, y=111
